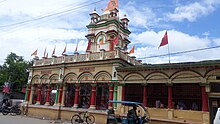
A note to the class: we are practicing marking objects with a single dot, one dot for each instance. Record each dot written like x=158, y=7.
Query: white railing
x=95, y=56
x=103, y=55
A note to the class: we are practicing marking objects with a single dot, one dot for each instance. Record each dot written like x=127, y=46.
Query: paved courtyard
x=9, y=119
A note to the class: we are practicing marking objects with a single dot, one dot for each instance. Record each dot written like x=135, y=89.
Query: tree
x=14, y=70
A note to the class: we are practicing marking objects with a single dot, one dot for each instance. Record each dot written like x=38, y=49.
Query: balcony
x=103, y=55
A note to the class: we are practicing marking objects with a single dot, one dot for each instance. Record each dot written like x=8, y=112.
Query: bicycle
x=25, y=109
x=83, y=117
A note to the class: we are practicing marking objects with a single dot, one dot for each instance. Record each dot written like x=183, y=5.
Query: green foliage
x=15, y=70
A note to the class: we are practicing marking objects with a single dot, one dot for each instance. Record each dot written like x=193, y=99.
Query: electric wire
x=69, y=10
x=176, y=53
x=18, y=26
x=50, y=15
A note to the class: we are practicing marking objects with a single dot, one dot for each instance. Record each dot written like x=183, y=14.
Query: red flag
x=54, y=51
x=89, y=45
x=112, y=4
x=132, y=50
x=115, y=41
x=64, y=50
x=164, y=40
x=34, y=53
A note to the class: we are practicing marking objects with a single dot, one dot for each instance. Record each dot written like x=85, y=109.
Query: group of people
x=179, y=105
x=5, y=102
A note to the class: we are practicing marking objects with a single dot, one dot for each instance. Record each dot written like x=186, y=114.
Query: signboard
x=87, y=69
x=46, y=72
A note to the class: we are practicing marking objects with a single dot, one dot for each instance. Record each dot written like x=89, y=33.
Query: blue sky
x=191, y=24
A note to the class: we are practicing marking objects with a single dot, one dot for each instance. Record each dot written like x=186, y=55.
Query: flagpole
x=165, y=42
x=169, y=52
x=168, y=48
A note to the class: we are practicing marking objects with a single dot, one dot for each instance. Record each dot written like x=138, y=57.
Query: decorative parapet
x=94, y=56
x=103, y=55
x=38, y=62
x=109, y=55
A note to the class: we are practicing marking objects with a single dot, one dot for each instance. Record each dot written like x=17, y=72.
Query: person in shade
x=132, y=115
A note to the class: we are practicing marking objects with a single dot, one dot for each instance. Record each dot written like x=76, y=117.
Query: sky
x=44, y=24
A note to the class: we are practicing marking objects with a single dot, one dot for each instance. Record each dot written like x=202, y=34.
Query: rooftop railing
x=102, y=55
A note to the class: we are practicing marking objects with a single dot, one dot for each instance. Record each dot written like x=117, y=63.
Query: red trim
x=170, y=94
x=60, y=94
x=111, y=90
x=76, y=98
x=204, y=99
x=48, y=94
x=93, y=99
x=145, y=96
x=111, y=46
x=39, y=94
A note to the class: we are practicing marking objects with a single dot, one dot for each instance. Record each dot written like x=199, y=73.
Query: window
x=34, y=98
x=43, y=94
x=134, y=92
x=157, y=95
x=102, y=96
x=215, y=87
x=53, y=94
x=187, y=96
x=85, y=93
x=69, y=95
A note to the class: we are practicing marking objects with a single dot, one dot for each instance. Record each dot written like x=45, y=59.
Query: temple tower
x=107, y=32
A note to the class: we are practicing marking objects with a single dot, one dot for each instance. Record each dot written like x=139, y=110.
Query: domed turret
x=94, y=16
x=125, y=21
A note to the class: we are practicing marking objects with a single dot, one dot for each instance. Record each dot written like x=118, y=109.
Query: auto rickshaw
x=127, y=112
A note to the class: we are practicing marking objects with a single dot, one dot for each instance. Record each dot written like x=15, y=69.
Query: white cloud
x=217, y=41
x=23, y=40
x=23, y=44
x=149, y=41
x=33, y=8
x=141, y=16
x=193, y=11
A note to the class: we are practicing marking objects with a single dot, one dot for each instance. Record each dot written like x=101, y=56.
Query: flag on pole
x=132, y=50
x=34, y=53
x=64, y=51
x=164, y=40
x=45, y=52
x=112, y=4
x=54, y=51
x=89, y=45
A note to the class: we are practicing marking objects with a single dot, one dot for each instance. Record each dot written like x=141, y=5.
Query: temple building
x=62, y=85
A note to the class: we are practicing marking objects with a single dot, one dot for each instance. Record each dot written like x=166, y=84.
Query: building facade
x=69, y=83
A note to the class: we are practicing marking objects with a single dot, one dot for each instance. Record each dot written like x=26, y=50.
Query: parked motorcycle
x=13, y=110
